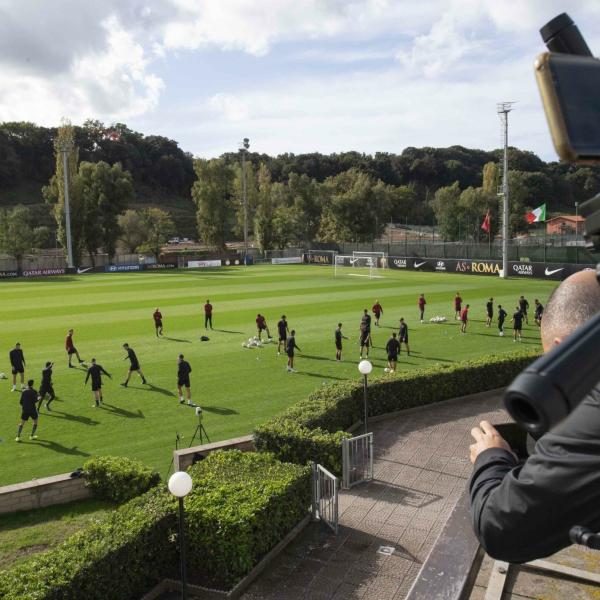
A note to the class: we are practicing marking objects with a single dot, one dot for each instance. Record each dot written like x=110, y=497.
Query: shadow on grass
x=36, y=516
x=321, y=376
x=228, y=331
x=122, y=412
x=58, y=414
x=56, y=447
x=172, y=339
x=219, y=410
x=153, y=388
x=312, y=357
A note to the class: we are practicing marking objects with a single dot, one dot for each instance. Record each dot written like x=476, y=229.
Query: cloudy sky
x=292, y=75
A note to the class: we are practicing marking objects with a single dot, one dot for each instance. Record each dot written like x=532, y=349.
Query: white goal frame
x=357, y=261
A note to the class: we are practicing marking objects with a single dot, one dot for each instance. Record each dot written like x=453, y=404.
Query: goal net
x=357, y=266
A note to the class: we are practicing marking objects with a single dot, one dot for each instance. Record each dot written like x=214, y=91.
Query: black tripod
x=200, y=432
x=178, y=438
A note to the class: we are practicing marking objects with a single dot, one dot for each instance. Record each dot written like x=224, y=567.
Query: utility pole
x=244, y=150
x=64, y=147
x=503, y=108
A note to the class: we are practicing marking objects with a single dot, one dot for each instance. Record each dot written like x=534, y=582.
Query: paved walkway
x=420, y=470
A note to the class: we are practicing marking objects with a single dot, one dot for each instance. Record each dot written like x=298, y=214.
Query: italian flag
x=537, y=215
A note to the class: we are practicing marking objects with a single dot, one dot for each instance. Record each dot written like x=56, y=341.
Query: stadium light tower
x=503, y=108
x=64, y=147
x=244, y=150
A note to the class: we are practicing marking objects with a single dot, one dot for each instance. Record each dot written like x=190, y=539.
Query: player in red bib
x=457, y=306
x=261, y=325
x=377, y=310
x=464, y=319
x=157, y=316
x=70, y=348
x=422, y=303
x=208, y=315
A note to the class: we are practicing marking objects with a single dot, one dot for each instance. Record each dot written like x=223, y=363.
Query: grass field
x=236, y=387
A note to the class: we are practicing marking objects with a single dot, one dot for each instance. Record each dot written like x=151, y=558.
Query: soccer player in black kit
x=17, y=363
x=339, y=336
x=539, y=311
x=502, y=314
x=134, y=366
x=46, y=387
x=95, y=372
x=28, y=411
x=489, y=307
x=392, y=348
x=523, y=307
x=403, y=335
x=282, y=330
x=517, y=321
x=183, y=379
x=290, y=347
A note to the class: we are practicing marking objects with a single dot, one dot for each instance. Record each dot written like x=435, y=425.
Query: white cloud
x=114, y=60
x=228, y=107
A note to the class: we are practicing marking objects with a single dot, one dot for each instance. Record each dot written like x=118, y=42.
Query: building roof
x=577, y=218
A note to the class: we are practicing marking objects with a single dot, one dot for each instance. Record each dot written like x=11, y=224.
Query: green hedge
x=118, y=478
x=119, y=557
x=312, y=429
x=241, y=505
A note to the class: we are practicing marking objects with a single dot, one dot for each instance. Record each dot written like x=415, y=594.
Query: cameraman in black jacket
x=524, y=512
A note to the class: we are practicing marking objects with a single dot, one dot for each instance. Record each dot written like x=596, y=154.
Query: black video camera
x=569, y=81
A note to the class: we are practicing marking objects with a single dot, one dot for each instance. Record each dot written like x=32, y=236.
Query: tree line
x=292, y=199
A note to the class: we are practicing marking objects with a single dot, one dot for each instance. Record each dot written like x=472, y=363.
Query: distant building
x=565, y=224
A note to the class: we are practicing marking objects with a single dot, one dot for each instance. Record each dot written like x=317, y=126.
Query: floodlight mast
x=244, y=150
x=64, y=147
x=503, y=108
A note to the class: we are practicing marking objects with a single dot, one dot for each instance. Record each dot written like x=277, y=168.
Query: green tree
x=106, y=191
x=159, y=228
x=212, y=194
x=42, y=237
x=357, y=207
x=284, y=227
x=491, y=178
x=54, y=193
x=133, y=231
x=252, y=195
x=16, y=235
x=265, y=211
x=304, y=199
x=473, y=205
x=445, y=206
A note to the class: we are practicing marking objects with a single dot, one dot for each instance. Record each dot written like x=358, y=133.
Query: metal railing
x=357, y=460
x=325, y=497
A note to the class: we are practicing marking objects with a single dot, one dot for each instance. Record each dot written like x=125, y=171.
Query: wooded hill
x=163, y=174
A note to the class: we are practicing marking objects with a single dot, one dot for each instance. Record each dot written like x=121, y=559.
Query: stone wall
x=184, y=457
x=37, y=493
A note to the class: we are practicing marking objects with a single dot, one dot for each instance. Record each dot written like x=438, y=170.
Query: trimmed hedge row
x=312, y=429
x=118, y=478
x=241, y=505
x=120, y=556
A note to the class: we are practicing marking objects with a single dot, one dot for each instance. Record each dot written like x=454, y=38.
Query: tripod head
x=199, y=413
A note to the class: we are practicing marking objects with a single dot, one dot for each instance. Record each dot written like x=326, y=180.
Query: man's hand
x=486, y=436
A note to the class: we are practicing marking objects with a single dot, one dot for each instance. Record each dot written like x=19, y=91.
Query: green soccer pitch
x=236, y=387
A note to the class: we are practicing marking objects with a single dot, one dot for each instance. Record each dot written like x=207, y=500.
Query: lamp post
x=64, y=147
x=244, y=150
x=180, y=485
x=365, y=367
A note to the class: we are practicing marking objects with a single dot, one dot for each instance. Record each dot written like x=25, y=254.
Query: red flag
x=486, y=222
